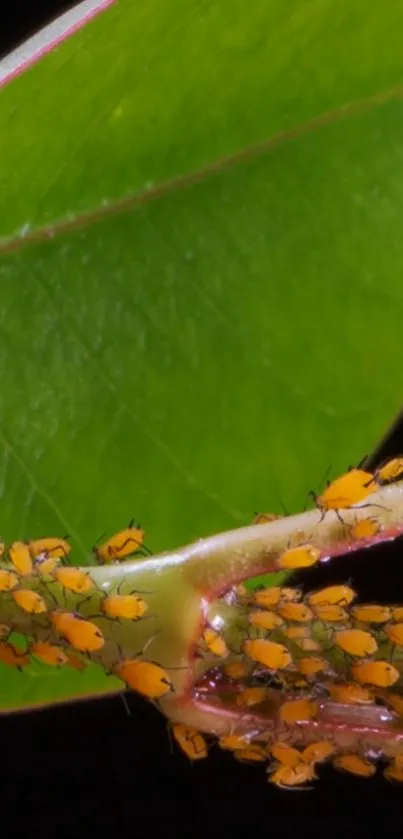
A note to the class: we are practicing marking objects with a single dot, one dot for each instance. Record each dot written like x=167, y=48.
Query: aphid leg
x=126, y=705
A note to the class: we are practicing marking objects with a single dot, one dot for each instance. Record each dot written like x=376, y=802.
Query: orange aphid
x=121, y=545
x=49, y=653
x=21, y=558
x=252, y=754
x=311, y=665
x=81, y=634
x=264, y=518
x=365, y=529
x=145, y=677
x=292, y=595
x=215, y=643
x=371, y=613
x=267, y=597
x=392, y=470
x=394, y=631
x=331, y=614
x=235, y=670
x=8, y=580
x=74, y=579
x=378, y=673
x=354, y=764
x=308, y=645
x=252, y=696
x=397, y=613
x=298, y=710
x=44, y=564
x=51, y=546
x=233, y=742
x=192, y=743
x=349, y=693
x=292, y=776
x=316, y=752
x=272, y=655
x=394, y=772
x=30, y=601
x=296, y=632
x=301, y=557
x=265, y=620
x=298, y=612
x=285, y=754
x=349, y=489
x=130, y=606
x=11, y=655
x=394, y=701
x=332, y=596
x=355, y=642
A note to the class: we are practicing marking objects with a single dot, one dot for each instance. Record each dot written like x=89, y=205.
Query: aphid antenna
x=126, y=704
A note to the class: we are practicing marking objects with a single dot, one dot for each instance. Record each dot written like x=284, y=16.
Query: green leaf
x=201, y=295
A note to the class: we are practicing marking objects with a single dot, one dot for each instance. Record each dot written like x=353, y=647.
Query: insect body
x=298, y=612
x=317, y=752
x=349, y=693
x=292, y=776
x=265, y=619
x=74, y=579
x=145, y=677
x=51, y=546
x=30, y=601
x=9, y=654
x=392, y=470
x=346, y=491
x=81, y=634
x=356, y=642
x=49, y=653
x=297, y=710
x=192, y=743
x=121, y=545
x=332, y=596
x=301, y=557
x=8, y=580
x=371, y=613
x=285, y=754
x=252, y=696
x=252, y=754
x=378, y=673
x=272, y=655
x=235, y=670
x=21, y=558
x=129, y=606
x=394, y=631
x=354, y=764
x=233, y=742
x=364, y=529
x=215, y=643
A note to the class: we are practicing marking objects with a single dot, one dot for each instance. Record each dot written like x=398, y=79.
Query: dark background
x=93, y=768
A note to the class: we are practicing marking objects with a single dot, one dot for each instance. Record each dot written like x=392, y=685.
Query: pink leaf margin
x=49, y=38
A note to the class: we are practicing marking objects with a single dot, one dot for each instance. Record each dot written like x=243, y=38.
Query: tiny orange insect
x=332, y=596
x=121, y=545
x=267, y=597
x=397, y=613
x=272, y=655
x=11, y=655
x=235, y=670
x=192, y=743
x=348, y=693
x=394, y=701
x=394, y=631
x=298, y=710
x=252, y=754
x=295, y=633
x=365, y=529
x=51, y=546
x=308, y=645
x=390, y=471
x=292, y=776
x=298, y=612
x=29, y=601
x=233, y=742
x=292, y=595
x=215, y=643
x=265, y=620
x=145, y=677
x=301, y=557
x=81, y=634
x=378, y=673
x=8, y=580
x=44, y=564
x=311, y=665
x=285, y=754
x=355, y=642
x=129, y=606
x=21, y=558
x=346, y=491
x=49, y=653
x=74, y=579
x=354, y=764
x=75, y=662
x=252, y=696
x=371, y=613
x=264, y=518
x=317, y=752
x=331, y=614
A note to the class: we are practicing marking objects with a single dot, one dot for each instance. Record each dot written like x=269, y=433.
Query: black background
x=92, y=768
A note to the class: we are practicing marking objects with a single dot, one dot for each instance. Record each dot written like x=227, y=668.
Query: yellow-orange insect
x=397, y=613
x=192, y=743
x=332, y=596
x=264, y=518
x=308, y=645
x=292, y=776
x=285, y=754
x=145, y=677
x=301, y=557
x=252, y=696
x=267, y=597
x=378, y=673
x=49, y=653
x=8, y=580
x=268, y=653
x=356, y=642
x=29, y=601
x=298, y=710
x=365, y=529
x=264, y=619
x=215, y=643
x=371, y=613
x=390, y=471
x=348, y=693
x=129, y=606
x=298, y=612
x=44, y=565
x=233, y=742
x=50, y=546
x=354, y=764
x=74, y=579
x=331, y=614
x=252, y=754
x=75, y=662
x=317, y=752
x=394, y=631
x=121, y=545
x=81, y=634
x=12, y=655
x=310, y=665
x=21, y=558
x=235, y=670
x=346, y=491
x=296, y=633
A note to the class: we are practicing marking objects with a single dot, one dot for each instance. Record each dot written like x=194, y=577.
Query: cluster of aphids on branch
x=299, y=653
x=59, y=637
